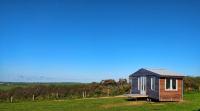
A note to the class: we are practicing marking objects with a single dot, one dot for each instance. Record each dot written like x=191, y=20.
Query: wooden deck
x=136, y=96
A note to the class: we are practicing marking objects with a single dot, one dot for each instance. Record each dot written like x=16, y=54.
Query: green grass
x=191, y=103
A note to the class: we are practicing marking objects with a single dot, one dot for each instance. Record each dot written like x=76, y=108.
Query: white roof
x=164, y=72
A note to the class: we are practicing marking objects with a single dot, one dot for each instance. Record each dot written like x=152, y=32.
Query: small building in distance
x=157, y=84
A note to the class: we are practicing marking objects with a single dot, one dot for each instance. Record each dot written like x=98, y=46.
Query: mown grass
x=191, y=103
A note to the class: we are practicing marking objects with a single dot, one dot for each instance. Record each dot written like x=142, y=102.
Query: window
x=173, y=83
x=138, y=83
x=170, y=84
x=153, y=79
x=167, y=83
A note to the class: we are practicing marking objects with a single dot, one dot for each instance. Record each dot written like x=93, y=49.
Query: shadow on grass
x=197, y=110
x=136, y=99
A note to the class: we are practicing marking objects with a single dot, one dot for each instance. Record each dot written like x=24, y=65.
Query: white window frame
x=171, y=89
x=153, y=83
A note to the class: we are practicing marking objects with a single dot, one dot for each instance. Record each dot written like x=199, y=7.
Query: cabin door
x=143, y=85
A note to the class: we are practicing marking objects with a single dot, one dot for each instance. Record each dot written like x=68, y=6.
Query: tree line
x=46, y=92
x=191, y=84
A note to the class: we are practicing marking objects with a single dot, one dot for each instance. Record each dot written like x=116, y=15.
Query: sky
x=91, y=40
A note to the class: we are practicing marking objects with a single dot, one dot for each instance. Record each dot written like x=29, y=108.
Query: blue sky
x=91, y=40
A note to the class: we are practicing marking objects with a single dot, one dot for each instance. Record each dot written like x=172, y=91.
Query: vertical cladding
x=134, y=84
x=154, y=94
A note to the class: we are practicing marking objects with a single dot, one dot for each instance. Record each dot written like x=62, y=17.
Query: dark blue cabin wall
x=154, y=94
x=134, y=86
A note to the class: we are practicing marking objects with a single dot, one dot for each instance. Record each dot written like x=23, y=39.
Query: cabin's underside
x=136, y=96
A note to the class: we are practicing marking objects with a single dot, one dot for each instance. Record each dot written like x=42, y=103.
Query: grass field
x=191, y=103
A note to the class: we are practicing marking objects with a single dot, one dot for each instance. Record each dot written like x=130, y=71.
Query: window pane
x=167, y=83
x=145, y=83
x=138, y=83
x=173, y=83
x=154, y=80
x=152, y=83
